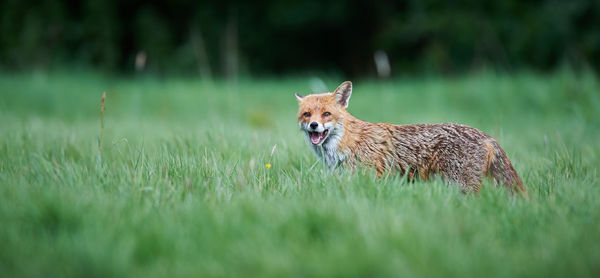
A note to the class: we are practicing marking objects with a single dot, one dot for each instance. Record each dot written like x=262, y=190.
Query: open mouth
x=317, y=138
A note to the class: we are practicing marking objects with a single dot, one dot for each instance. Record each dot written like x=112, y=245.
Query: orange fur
x=458, y=153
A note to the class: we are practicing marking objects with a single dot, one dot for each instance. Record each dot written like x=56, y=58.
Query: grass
x=180, y=187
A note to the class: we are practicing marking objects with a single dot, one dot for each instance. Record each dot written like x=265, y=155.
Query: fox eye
x=326, y=114
x=306, y=114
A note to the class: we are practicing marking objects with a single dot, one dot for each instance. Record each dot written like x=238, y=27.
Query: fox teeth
x=318, y=137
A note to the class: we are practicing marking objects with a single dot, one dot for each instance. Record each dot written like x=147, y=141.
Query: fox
x=460, y=154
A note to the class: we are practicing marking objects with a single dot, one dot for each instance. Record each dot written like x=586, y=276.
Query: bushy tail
x=500, y=168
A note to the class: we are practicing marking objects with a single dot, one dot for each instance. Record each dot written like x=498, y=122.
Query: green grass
x=181, y=187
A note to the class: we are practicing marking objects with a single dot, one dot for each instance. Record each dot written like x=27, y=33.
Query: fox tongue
x=315, y=137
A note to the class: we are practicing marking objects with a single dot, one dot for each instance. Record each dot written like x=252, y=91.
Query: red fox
x=458, y=153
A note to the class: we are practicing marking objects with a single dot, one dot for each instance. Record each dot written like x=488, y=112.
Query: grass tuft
x=183, y=189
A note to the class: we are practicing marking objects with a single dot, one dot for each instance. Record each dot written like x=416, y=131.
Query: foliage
x=273, y=37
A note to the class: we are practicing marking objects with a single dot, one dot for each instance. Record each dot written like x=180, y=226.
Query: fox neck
x=334, y=150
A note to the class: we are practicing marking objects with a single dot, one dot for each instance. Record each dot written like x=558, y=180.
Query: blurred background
x=160, y=139
x=214, y=39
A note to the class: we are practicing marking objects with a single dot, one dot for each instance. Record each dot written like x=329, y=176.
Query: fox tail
x=501, y=170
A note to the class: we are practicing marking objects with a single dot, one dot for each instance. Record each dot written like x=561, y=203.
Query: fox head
x=321, y=116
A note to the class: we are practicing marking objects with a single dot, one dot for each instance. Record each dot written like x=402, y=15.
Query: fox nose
x=314, y=125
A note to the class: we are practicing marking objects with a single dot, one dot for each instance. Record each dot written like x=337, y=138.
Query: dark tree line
x=223, y=38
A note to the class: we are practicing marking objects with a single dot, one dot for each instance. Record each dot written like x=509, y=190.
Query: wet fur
x=456, y=152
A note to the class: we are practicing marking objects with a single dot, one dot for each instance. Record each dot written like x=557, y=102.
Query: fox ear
x=299, y=97
x=343, y=92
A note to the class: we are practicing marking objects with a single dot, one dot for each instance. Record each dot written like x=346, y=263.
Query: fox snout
x=316, y=127
x=316, y=132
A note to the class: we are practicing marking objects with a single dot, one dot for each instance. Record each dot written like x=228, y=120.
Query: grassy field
x=180, y=187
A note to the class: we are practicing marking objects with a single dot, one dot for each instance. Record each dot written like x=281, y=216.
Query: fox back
x=458, y=153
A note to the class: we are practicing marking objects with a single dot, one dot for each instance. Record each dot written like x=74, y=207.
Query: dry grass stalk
x=102, y=109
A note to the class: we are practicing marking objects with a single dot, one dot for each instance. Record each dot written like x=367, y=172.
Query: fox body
x=458, y=153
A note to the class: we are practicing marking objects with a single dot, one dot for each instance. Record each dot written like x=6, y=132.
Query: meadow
x=182, y=187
